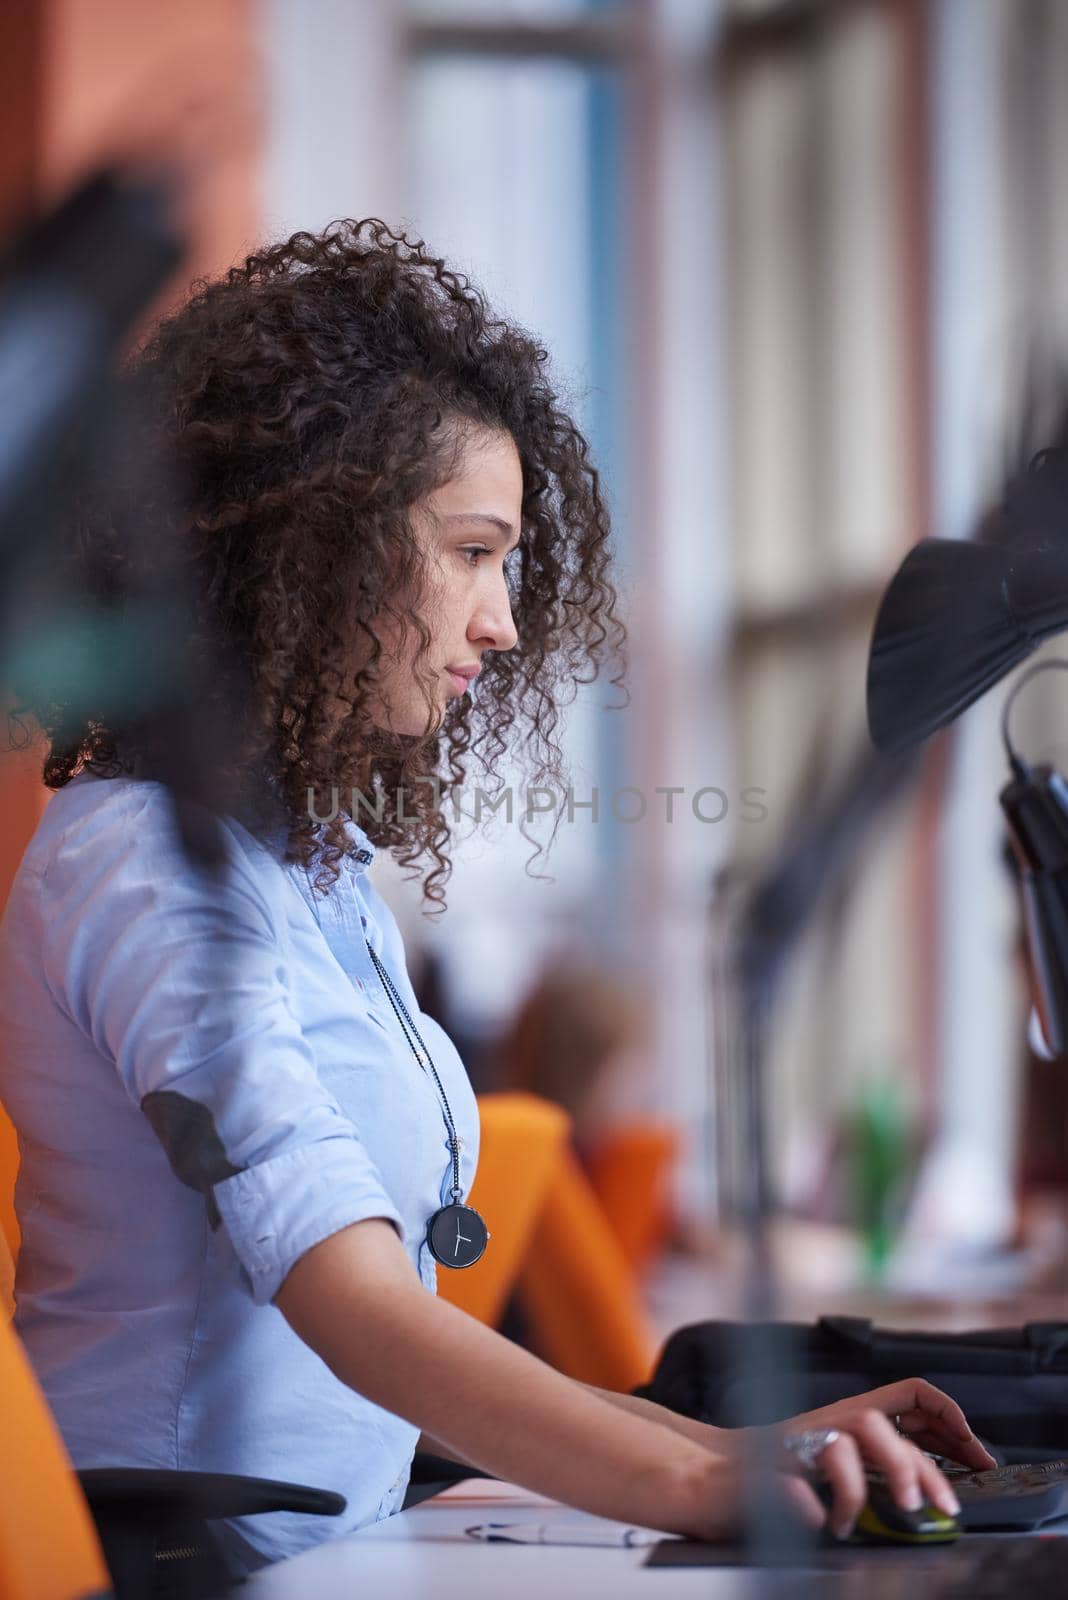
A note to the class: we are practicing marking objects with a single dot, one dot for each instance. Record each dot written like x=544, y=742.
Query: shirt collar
x=361, y=851
x=358, y=856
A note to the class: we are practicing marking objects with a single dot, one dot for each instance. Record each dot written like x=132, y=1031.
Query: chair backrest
x=48, y=1544
x=9, y=1228
x=552, y=1241
x=23, y=798
x=7, y=1281
x=630, y=1167
x=522, y=1138
x=578, y=1291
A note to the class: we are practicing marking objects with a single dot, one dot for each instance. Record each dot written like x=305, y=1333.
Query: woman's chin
x=413, y=726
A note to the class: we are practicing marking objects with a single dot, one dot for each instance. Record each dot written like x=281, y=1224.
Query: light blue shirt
x=207, y=1079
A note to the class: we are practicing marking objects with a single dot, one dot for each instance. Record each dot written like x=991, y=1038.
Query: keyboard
x=1011, y=1497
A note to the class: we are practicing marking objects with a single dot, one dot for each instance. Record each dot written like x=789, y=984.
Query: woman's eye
x=474, y=551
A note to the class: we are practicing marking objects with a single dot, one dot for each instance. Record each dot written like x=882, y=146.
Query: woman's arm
x=720, y=1440
x=930, y=1419
x=356, y=1301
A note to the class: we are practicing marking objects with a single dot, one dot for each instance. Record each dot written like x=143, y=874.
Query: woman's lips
x=460, y=681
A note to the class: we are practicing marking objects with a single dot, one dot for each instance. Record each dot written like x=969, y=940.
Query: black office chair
x=154, y=1525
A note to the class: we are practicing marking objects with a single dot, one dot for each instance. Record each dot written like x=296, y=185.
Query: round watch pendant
x=457, y=1236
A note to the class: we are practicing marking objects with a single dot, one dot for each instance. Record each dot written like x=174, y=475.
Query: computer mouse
x=883, y=1521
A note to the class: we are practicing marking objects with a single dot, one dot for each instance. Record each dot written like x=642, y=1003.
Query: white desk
x=422, y=1554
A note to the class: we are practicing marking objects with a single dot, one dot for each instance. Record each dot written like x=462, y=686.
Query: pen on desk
x=561, y=1533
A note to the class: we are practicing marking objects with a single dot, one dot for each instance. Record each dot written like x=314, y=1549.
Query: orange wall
x=121, y=73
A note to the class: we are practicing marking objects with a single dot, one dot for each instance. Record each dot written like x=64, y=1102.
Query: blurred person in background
x=579, y=1037
x=233, y=1145
x=582, y=1038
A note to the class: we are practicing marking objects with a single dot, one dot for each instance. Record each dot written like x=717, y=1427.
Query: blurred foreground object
x=820, y=859
x=71, y=288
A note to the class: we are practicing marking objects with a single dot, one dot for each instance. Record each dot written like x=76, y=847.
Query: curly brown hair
x=309, y=399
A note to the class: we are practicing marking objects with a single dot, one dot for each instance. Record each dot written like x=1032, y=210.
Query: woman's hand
x=868, y=1439
x=716, y=1507
x=928, y=1417
x=865, y=1439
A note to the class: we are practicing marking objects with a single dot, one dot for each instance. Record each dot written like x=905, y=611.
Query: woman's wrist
x=722, y=1441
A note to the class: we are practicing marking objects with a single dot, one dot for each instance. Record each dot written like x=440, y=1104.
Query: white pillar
x=970, y=1196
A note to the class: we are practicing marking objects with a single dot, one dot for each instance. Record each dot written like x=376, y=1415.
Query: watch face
x=457, y=1236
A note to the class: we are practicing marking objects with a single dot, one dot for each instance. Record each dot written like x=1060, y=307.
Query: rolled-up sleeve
x=181, y=980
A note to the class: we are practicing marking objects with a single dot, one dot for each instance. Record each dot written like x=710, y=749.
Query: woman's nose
x=493, y=622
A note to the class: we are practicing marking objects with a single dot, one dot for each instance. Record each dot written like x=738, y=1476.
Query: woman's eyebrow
x=484, y=516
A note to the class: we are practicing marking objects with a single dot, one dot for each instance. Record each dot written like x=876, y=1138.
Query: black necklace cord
x=456, y=1235
x=422, y=1055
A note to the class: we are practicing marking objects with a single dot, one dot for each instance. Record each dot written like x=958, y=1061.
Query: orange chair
x=9, y=1228
x=49, y=1548
x=552, y=1241
x=142, y=1515
x=522, y=1139
x=7, y=1281
x=578, y=1291
x=48, y=1545
x=630, y=1168
x=9, y=1166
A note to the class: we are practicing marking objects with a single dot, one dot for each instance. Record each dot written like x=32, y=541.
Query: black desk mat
x=971, y=1568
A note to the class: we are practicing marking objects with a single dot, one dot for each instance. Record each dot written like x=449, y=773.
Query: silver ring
x=807, y=1447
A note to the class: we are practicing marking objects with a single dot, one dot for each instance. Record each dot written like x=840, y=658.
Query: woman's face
x=465, y=529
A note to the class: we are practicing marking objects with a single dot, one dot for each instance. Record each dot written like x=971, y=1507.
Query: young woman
x=233, y=1141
